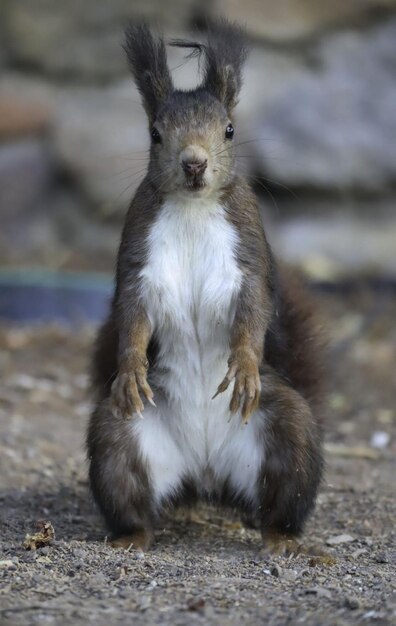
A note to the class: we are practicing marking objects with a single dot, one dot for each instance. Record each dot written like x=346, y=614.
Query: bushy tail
x=295, y=343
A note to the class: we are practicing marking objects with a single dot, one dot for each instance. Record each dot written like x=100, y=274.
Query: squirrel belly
x=189, y=287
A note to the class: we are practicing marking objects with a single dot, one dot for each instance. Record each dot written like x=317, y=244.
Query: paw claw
x=243, y=366
x=127, y=388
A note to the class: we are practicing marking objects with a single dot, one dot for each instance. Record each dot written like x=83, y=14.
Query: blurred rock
x=379, y=439
x=333, y=244
x=334, y=127
x=3, y=53
x=25, y=176
x=295, y=19
x=28, y=91
x=18, y=117
x=83, y=39
x=316, y=115
x=26, y=179
x=100, y=136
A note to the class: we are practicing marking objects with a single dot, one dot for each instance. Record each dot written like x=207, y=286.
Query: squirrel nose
x=193, y=168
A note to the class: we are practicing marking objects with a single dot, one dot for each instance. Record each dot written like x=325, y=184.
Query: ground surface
x=204, y=568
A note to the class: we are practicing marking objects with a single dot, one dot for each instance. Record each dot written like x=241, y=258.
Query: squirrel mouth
x=195, y=184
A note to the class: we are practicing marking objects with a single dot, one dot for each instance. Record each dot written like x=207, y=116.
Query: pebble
x=339, y=539
x=321, y=592
x=276, y=571
x=351, y=603
x=359, y=552
x=381, y=557
x=80, y=553
x=8, y=564
x=379, y=439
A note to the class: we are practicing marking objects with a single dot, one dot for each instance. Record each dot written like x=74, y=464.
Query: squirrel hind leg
x=119, y=479
x=276, y=543
x=293, y=465
x=140, y=539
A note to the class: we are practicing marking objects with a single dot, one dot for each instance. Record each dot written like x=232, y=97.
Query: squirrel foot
x=279, y=544
x=125, y=390
x=139, y=540
x=243, y=366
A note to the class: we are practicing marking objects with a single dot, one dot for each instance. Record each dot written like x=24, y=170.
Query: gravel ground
x=205, y=567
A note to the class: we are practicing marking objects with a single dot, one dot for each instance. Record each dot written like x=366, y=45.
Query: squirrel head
x=192, y=133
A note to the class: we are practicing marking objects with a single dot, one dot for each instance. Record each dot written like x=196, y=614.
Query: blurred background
x=317, y=120
x=317, y=128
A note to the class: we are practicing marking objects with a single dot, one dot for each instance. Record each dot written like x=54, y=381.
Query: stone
x=29, y=161
x=276, y=571
x=379, y=439
x=339, y=539
x=352, y=603
x=27, y=181
x=101, y=139
x=293, y=20
x=333, y=126
x=329, y=243
x=83, y=39
x=18, y=117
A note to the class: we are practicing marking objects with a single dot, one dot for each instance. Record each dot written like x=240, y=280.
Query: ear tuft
x=226, y=54
x=147, y=60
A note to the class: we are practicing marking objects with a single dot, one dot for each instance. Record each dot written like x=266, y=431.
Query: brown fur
x=295, y=343
x=255, y=302
x=274, y=344
x=118, y=476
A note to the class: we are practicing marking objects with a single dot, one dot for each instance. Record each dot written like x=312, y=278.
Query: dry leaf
x=43, y=537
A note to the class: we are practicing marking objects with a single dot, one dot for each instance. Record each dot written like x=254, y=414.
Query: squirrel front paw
x=243, y=366
x=125, y=390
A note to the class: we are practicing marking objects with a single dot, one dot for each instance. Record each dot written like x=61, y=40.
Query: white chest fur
x=191, y=269
x=189, y=287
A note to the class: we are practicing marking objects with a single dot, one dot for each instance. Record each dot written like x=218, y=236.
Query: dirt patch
x=205, y=567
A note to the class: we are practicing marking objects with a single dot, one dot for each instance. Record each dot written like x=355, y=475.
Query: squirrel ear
x=226, y=54
x=147, y=60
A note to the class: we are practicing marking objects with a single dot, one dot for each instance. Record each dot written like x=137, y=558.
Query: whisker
x=129, y=170
x=273, y=182
x=257, y=140
x=124, y=158
x=136, y=154
x=261, y=184
x=133, y=181
x=278, y=184
x=271, y=195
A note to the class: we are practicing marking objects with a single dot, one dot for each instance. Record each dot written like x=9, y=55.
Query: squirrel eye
x=229, y=133
x=155, y=136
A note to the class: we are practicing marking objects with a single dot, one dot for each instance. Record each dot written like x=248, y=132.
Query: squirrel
x=207, y=370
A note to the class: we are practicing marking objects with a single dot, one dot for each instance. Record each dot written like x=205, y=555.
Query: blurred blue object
x=75, y=298
x=42, y=296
